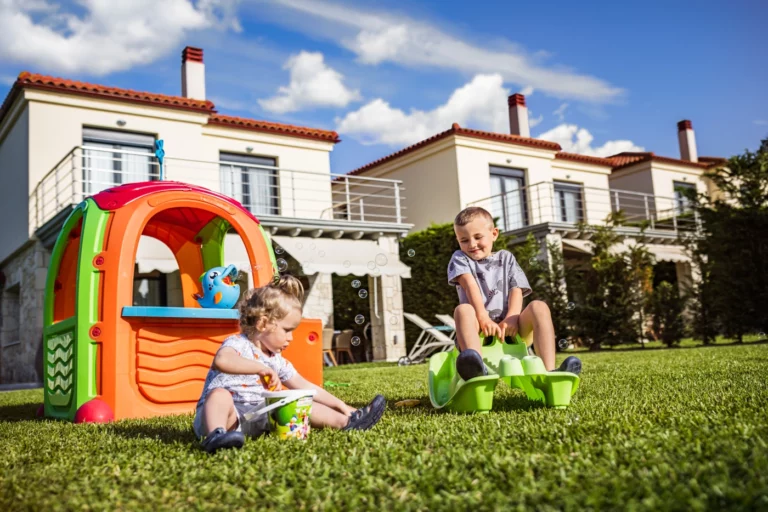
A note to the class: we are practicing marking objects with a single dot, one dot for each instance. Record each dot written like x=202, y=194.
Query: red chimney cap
x=516, y=99
x=193, y=54
x=684, y=125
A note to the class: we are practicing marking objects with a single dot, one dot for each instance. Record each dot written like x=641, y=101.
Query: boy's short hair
x=470, y=213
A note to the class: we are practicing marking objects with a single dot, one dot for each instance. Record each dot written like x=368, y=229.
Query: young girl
x=249, y=363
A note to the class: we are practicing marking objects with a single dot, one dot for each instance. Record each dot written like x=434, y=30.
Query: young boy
x=491, y=288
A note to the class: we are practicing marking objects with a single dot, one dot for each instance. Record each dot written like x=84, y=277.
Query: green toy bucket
x=289, y=412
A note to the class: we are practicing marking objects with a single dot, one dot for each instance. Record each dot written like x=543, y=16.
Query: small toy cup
x=289, y=412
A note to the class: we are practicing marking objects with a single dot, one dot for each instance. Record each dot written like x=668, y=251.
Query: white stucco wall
x=14, y=161
x=430, y=186
x=192, y=147
x=664, y=177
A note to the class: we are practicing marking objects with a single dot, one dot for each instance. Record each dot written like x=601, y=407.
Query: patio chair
x=328, y=345
x=431, y=339
x=344, y=344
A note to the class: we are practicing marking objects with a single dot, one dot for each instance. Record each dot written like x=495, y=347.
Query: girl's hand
x=269, y=377
x=509, y=326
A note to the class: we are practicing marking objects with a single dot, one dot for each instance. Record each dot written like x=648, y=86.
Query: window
x=252, y=180
x=112, y=157
x=508, y=197
x=569, y=203
x=683, y=193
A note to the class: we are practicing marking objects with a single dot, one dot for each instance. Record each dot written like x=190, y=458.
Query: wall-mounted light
x=120, y=122
x=249, y=149
x=567, y=176
x=509, y=160
x=685, y=178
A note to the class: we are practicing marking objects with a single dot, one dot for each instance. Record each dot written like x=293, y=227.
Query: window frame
x=233, y=159
x=559, y=186
x=119, y=140
x=682, y=203
x=517, y=173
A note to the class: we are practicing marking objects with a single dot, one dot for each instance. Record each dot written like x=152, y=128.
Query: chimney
x=192, y=73
x=518, y=116
x=687, y=140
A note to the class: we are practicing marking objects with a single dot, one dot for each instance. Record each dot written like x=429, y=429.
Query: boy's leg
x=537, y=318
x=467, y=328
x=219, y=411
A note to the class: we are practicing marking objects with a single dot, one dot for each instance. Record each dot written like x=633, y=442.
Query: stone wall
x=21, y=306
x=318, y=302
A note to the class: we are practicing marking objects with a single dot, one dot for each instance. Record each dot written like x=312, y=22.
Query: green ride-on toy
x=509, y=362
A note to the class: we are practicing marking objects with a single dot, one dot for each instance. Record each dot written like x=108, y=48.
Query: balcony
x=282, y=199
x=562, y=206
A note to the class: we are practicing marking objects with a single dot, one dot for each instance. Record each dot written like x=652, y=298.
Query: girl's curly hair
x=273, y=301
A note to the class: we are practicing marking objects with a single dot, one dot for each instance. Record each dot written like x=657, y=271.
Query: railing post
x=397, y=202
x=293, y=195
x=616, y=201
x=74, y=179
x=56, y=187
x=362, y=214
x=349, y=205
x=674, y=218
x=648, y=211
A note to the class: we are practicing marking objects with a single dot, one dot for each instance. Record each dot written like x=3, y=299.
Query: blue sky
x=601, y=77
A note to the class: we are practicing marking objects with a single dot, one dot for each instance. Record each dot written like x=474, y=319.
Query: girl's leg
x=537, y=318
x=219, y=411
x=467, y=328
x=323, y=416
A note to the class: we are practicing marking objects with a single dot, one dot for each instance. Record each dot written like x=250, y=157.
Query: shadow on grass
x=635, y=348
x=516, y=402
x=164, y=433
x=19, y=412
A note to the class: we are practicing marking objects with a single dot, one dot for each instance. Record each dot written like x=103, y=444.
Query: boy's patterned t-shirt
x=245, y=388
x=495, y=275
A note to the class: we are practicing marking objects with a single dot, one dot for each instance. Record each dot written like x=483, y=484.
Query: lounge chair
x=344, y=345
x=328, y=347
x=431, y=339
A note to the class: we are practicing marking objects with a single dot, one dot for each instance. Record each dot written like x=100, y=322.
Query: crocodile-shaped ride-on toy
x=509, y=362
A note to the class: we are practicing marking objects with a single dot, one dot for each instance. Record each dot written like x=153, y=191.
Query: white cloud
x=533, y=121
x=377, y=37
x=478, y=103
x=111, y=36
x=578, y=140
x=313, y=84
x=560, y=112
x=527, y=90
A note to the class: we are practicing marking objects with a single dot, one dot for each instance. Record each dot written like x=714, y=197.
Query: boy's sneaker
x=572, y=364
x=470, y=364
x=220, y=438
x=366, y=417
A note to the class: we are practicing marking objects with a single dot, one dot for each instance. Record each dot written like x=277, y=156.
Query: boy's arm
x=322, y=396
x=487, y=326
x=227, y=360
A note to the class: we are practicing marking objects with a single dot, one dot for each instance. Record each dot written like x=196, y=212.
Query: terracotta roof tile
x=596, y=160
x=28, y=80
x=266, y=126
x=467, y=132
x=628, y=158
x=713, y=161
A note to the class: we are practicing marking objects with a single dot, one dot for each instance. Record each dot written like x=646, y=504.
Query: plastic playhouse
x=509, y=362
x=147, y=361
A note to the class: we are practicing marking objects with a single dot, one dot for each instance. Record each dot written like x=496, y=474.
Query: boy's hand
x=488, y=327
x=509, y=325
x=269, y=378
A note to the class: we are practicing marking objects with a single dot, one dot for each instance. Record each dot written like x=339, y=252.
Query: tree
x=732, y=249
x=666, y=309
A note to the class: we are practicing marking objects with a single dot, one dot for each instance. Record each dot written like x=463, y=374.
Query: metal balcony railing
x=264, y=190
x=572, y=204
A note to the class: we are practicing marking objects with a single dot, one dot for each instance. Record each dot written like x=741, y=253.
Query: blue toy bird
x=219, y=288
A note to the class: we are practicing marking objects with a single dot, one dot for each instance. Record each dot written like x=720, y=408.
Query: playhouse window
x=252, y=180
x=112, y=157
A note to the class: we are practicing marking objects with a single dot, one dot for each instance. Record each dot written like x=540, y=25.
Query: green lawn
x=681, y=429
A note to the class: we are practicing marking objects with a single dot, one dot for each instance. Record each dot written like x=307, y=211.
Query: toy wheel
x=404, y=361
